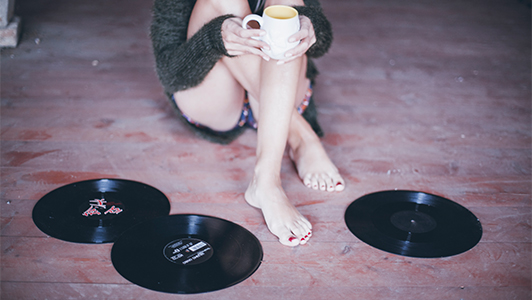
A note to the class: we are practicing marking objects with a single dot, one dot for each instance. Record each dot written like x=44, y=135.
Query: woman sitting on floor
x=220, y=81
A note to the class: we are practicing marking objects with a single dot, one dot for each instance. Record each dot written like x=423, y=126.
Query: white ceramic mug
x=280, y=22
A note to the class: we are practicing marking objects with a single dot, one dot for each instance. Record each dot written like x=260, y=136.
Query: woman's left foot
x=314, y=166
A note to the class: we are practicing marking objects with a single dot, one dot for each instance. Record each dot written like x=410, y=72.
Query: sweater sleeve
x=322, y=27
x=182, y=63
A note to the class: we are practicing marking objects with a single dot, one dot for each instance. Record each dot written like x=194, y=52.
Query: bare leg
x=278, y=122
x=265, y=190
x=274, y=92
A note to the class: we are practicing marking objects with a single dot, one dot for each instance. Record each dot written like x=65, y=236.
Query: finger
x=298, y=36
x=251, y=41
x=239, y=49
x=297, y=51
x=242, y=50
x=233, y=33
x=247, y=33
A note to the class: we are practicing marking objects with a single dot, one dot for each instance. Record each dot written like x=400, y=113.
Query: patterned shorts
x=246, y=117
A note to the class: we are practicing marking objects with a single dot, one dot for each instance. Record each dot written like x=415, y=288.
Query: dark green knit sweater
x=182, y=63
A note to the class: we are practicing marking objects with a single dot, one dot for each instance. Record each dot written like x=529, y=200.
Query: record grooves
x=413, y=224
x=186, y=254
x=97, y=211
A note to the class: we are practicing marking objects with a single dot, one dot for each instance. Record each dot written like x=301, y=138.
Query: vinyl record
x=186, y=254
x=414, y=224
x=97, y=211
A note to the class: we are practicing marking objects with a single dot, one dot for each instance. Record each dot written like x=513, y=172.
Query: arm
x=322, y=27
x=182, y=63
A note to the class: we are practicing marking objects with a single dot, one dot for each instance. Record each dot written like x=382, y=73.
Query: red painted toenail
x=339, y=183
x=302, y=239
x=291, y=238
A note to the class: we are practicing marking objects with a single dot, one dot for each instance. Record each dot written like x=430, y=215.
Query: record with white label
x=99, y=210
x=186, y=254
x=414, y=224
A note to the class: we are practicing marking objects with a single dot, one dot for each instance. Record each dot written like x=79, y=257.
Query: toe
x=289, y=240
x=308, y=180
x=314, y=182
x=330, y=185
x=323, y=185
x=305, y=239
x=340, y=186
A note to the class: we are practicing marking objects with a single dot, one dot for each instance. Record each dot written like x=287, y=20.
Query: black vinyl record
x=414, y=224
x=99, y=210
x=186, y=254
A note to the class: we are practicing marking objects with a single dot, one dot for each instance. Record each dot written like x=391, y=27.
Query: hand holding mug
x=305, y=35
x=280, y=23
x=238, y=41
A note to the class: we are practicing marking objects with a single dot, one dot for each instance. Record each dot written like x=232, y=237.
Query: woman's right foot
x=282, y=218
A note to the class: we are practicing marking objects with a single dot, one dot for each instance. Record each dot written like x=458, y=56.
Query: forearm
x=182, y=63
x=322, y=27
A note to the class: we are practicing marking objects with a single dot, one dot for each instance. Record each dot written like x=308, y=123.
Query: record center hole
x=413, y=221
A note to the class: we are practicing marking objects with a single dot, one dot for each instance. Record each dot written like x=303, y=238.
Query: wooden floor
x=433, y=96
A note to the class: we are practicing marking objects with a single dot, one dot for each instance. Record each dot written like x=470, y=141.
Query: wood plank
x=412, y=95
x=320, y=264
x=21, y=290
x=500, y=224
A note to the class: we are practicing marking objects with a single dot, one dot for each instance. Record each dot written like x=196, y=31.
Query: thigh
x=217, y=101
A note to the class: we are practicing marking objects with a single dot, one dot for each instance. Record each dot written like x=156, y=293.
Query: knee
x=283, y=2
x=238, y=8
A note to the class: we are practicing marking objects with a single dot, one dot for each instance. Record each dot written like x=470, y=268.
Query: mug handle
x=252, y=17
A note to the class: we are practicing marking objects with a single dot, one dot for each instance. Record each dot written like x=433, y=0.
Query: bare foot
x=314, y=166
x=282, y=218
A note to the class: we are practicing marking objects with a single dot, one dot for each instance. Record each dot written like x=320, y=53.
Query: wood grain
x=417, y=95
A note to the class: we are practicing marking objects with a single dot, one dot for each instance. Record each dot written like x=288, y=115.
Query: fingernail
x=288, y=55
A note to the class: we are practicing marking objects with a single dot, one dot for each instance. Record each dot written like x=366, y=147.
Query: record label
x=188, y=251
x=413, y=221
x=101, y=209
